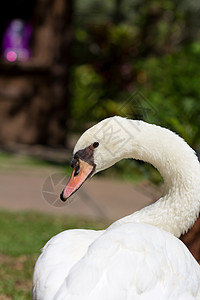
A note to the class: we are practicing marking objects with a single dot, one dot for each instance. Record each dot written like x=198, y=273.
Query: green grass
x=11, y=162
x=22, y=236
x=20, y=160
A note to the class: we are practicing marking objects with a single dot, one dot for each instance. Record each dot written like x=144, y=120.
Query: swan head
x=97, y=149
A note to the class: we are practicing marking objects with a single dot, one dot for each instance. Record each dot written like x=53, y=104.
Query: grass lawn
x=22, y=235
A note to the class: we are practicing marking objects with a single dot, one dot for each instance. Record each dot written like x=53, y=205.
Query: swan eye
x=96, y=144
x=76, y=172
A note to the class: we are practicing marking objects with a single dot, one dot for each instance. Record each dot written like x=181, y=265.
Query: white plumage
x=138, y=257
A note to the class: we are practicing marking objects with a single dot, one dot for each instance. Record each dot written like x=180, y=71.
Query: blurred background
x=65, y=65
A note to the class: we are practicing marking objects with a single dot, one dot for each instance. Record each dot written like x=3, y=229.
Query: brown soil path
x=99, y=198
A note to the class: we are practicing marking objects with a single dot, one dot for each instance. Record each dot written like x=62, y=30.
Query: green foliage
x=112, y=55
x=172, y=86
x=93, y=11
x=86, y=89
x=138, y=59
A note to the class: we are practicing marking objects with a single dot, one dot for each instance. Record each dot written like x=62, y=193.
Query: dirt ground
x=99, y=198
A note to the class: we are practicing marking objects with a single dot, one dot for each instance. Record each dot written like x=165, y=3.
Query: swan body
x=139, y=256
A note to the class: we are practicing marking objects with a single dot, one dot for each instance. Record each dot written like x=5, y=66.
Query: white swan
x=139, y=256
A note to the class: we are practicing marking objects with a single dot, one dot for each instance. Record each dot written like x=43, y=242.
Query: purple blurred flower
x=16, y=39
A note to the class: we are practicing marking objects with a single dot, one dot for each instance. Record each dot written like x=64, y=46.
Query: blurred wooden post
x=63, y=29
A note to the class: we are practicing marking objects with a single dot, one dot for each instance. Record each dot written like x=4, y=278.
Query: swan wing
x=58, y=256
x=133, y=261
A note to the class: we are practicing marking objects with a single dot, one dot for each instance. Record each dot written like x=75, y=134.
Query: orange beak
x=79, y=175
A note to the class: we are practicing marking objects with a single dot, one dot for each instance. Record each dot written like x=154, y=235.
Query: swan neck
x=178, y=208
